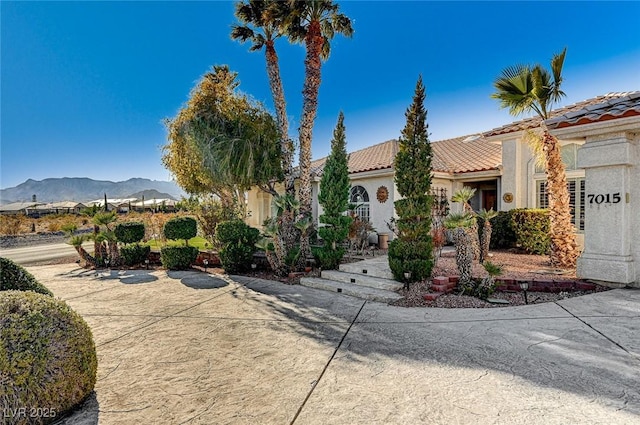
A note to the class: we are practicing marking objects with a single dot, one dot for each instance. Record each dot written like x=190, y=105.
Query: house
x=155, y=205
x=20, y=207
x=500, y=165
x=64, y=207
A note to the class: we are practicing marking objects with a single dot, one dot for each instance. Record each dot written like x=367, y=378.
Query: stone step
x=376, y=268
x=362, y=292
x=362, y=279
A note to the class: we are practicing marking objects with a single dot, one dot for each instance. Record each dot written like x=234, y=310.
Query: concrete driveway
x=193, y=348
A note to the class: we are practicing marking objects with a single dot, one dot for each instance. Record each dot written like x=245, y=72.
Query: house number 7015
x=608, y=198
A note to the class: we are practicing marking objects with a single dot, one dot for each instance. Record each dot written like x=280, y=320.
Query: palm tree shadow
x=552, y=350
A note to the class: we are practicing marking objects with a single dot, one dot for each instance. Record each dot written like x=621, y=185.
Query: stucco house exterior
x=498, y=163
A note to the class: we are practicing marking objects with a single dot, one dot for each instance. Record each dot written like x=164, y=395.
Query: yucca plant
x=459, y=224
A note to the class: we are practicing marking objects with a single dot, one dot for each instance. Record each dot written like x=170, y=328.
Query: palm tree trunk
x=86, y=257
x=464, y=255
x=564, y=250
x=314, y=41
x=312, y=64
x=485, y=241
x=277, y=91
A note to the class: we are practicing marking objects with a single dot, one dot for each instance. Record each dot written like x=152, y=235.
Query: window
x=360, y=198
x=569, y=158
x=576, y=199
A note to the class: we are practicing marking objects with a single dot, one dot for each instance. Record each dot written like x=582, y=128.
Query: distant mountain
x=85, y=189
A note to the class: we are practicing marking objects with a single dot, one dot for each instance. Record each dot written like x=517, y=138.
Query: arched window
x=360, y=198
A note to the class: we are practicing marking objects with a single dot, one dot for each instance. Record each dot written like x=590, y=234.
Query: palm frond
x=457, y=220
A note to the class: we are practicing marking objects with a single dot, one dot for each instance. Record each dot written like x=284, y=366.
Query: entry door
x=489, y=200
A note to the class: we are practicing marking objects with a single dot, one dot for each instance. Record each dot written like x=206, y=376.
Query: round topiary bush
x=130, y=232
x=181, y=228
x=47, y=358
x=15, y=277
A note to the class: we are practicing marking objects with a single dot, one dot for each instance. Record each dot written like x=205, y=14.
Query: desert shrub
x=134, y=254
x=503, y=235
x=178, y=257
x=11, y=225
x=15, y=277
x=238, y=242
x=180, y=228
x=47, y=356
x=531, y=227
x=130, y=232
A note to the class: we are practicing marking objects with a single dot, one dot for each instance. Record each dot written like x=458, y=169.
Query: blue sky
x=85, y=85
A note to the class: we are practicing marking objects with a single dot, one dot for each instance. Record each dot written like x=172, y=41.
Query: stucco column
x=611, y=206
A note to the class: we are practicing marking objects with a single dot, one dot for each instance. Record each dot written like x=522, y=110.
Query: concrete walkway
x=191, y=348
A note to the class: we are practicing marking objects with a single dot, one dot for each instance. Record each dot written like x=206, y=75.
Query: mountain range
x=85, y=189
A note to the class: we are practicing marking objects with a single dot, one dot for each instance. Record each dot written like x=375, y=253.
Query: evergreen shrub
x=178, y=257
x=48, y=358
x=130, y=232
x=134, y=254
x=181, y=228
x=238, y=242
x=15, y=277
x=531, y=227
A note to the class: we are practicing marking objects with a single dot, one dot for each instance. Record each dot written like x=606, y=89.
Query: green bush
x=238, y=241
x=328, y=258
x=48, y=359
x=130, y=232
x=180, y=228
x=134, y=254
x=412, y=256
x=178, y=257
x=502, y=235
x=531, y=227
x=15, y=277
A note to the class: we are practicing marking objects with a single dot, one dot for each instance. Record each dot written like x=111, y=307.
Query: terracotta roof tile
x=608, y=106
x=457, y=155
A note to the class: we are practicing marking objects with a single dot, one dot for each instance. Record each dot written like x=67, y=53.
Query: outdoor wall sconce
x=524, y=286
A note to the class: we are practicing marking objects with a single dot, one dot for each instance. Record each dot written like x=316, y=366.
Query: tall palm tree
x=315, y=23
x=532, y=88
x=262, y=23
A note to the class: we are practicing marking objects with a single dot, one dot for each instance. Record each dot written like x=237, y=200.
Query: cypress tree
x=412, y=250
x=334, y=198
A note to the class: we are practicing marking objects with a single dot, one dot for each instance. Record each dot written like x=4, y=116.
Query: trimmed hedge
x=502, y=234
x=178, y=257
x=531, y=227
x=238, y=241
x=130, y=232
x=134, y=254
x=181, y=228
x=48, y=358
x=15, y=277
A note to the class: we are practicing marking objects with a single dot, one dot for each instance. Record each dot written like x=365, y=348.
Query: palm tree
x=313, y=22
x=532, y=88
x=485, y=236
x=263, y=23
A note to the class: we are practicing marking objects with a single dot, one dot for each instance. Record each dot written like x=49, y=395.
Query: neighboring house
x=64, y=207
x=120, y=205
x=155, y=205
x=498, y=163
x=19, y=208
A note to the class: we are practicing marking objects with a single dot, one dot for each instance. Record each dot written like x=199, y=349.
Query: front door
x=489, y=200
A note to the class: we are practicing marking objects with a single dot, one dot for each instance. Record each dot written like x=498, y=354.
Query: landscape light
x=524, y=285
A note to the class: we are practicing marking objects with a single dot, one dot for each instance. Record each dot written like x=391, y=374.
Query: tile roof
x=627, y=105
x=608, y=106
x=459, y=155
